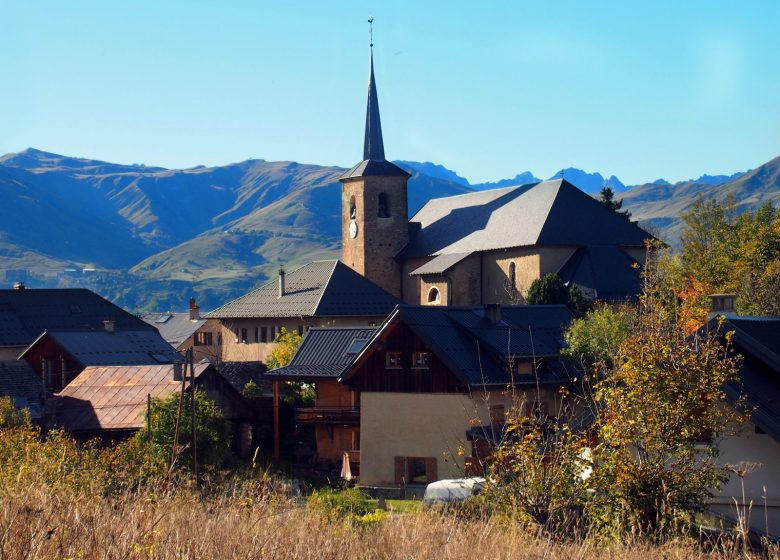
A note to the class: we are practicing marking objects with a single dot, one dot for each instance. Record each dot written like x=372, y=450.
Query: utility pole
x=191, y=360
x=149, y=417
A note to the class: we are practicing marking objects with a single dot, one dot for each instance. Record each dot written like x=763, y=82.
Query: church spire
x=373, y=147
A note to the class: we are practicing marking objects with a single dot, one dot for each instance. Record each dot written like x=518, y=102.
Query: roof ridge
x=326, y=287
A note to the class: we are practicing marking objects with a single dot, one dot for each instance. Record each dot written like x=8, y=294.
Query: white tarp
x=452, y=490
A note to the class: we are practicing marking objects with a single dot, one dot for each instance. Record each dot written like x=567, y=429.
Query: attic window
x=434, y=296
x=357, y=345
x=162, y=318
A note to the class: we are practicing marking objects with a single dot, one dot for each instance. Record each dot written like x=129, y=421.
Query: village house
x=321, y=293
x=20, y=382
x=26, y=313
x=59, y=356
x=752, y=451
x=185, y=331
x=110, y=402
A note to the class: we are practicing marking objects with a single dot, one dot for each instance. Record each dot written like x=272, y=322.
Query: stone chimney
x=281, y=281
x=19, y=286
x=177, y=371
x=720, y=304
x=109, y=325
x=194, y=310
x=493, y=312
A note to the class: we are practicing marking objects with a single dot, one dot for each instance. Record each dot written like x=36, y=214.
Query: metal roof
x=324, y=353
x=101, y=348
x=318, y=289
x=609, y=271
x=114, y=398
x=20, y=382
x=175, y=328
x=25, y=314
x=439, y=264
x=549, y=213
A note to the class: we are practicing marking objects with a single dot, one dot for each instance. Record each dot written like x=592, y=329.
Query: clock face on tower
x=353, y=229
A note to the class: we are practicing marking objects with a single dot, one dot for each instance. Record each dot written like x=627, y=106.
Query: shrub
x=341, y=504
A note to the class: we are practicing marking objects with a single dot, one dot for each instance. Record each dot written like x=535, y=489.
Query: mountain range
x=149, y=237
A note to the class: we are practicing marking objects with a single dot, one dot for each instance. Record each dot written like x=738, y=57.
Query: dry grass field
x=251, y=521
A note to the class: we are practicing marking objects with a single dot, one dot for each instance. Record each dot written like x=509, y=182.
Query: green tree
x=607, y=198
x=549, y=289
x=285, y=345
x=12, y=417
x=211, y=428
x=594, y=340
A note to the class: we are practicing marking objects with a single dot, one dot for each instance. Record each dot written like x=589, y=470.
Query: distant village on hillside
x=415, y=344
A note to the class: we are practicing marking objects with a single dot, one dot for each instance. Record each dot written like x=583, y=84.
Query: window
x=416, y=470
x=523, y=368
x=257, y=334
x=393, y=360
x=356, y=441
x=203, y=339
x=219, y=339
x=356, y=346
x=263, y=334
x=352, y=208
x=420, y=360
x=273, y=334
x=242, y=338
x=300, y=330
x=383, y=206
x=512, y=277
x=497, y=414
x=434, y=296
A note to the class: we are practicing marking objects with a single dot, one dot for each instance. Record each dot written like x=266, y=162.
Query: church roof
x=607, y=270
x=319, y=289
x=549, y=213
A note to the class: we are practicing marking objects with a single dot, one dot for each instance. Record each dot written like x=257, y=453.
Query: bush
x=344, y=504
x=12, y=417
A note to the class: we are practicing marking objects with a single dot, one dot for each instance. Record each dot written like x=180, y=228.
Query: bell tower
x=374, y=207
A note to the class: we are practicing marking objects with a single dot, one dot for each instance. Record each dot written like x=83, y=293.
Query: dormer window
x=383, y=206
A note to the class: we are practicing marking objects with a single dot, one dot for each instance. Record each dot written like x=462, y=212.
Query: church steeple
x=373, y=147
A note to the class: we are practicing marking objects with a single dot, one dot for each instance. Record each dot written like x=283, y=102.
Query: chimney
x=720, y=304
x=194, y=310
x=493, y=312
x=108, y=324
x=177, y=371
x=19, y=286
x=281, y=281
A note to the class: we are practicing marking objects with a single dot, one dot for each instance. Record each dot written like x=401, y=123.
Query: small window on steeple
x=383, y=206
x=352, y=208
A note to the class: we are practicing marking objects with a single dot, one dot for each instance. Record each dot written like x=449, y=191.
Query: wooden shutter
x=400, y=469
x=431, y=469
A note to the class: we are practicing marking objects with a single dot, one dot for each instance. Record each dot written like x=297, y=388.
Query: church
x=485, y=247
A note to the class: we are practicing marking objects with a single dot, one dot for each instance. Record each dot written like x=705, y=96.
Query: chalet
x=321, y=293
x=110, y=402
x=20, y=382
x=26, y=313
x=413, y=393
x=483, y=247
x=756, y=444
x=322, y=358
x=59, y=356
x=189, y=330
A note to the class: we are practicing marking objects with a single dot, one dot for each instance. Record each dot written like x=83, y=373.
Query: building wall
x=234, y=350
x=747, y=446
x=212, y=352
x=460, y=285
x=371, y=253
x=11, y=352
x=424, y=425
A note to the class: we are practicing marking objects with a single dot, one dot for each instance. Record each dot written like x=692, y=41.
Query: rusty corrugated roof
x=114, y=397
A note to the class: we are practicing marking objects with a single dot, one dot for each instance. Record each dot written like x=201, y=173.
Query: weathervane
x=371, y=31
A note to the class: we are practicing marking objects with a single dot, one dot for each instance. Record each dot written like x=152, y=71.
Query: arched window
x=383, y=206
x=512, y=277
x=434, y=296
x=352, y=208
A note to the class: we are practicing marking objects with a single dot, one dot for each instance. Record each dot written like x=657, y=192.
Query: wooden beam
x=276, y=421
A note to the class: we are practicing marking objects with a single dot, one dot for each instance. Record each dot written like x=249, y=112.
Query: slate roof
x=239, y=374
x=20, y=382
x=549, y=213
x=609, y=272
x=25, y=314
x=324, y=353
x=101, y=348
x=439, y=264
x=757, y=339
x=321, y=288
x=175, y=328
x=475, y=349
x=114, y=398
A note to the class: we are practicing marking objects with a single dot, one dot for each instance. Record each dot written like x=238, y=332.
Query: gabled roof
x=318, y=289
x=25, y=314
x=238, y=374
x=757, y=339
x=324, y=353
x=114, y=398
x=440, y=263
x=175, y=328
x=608, y=271
x=20, y=382
x=549, y=213
x=475, y=349
x=101, y=348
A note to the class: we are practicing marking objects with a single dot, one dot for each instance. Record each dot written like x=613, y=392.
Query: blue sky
x=489, y=89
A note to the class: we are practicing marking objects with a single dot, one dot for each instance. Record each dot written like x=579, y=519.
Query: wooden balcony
x=328, y=415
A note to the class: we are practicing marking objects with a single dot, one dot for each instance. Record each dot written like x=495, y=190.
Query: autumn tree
x=285, y=345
